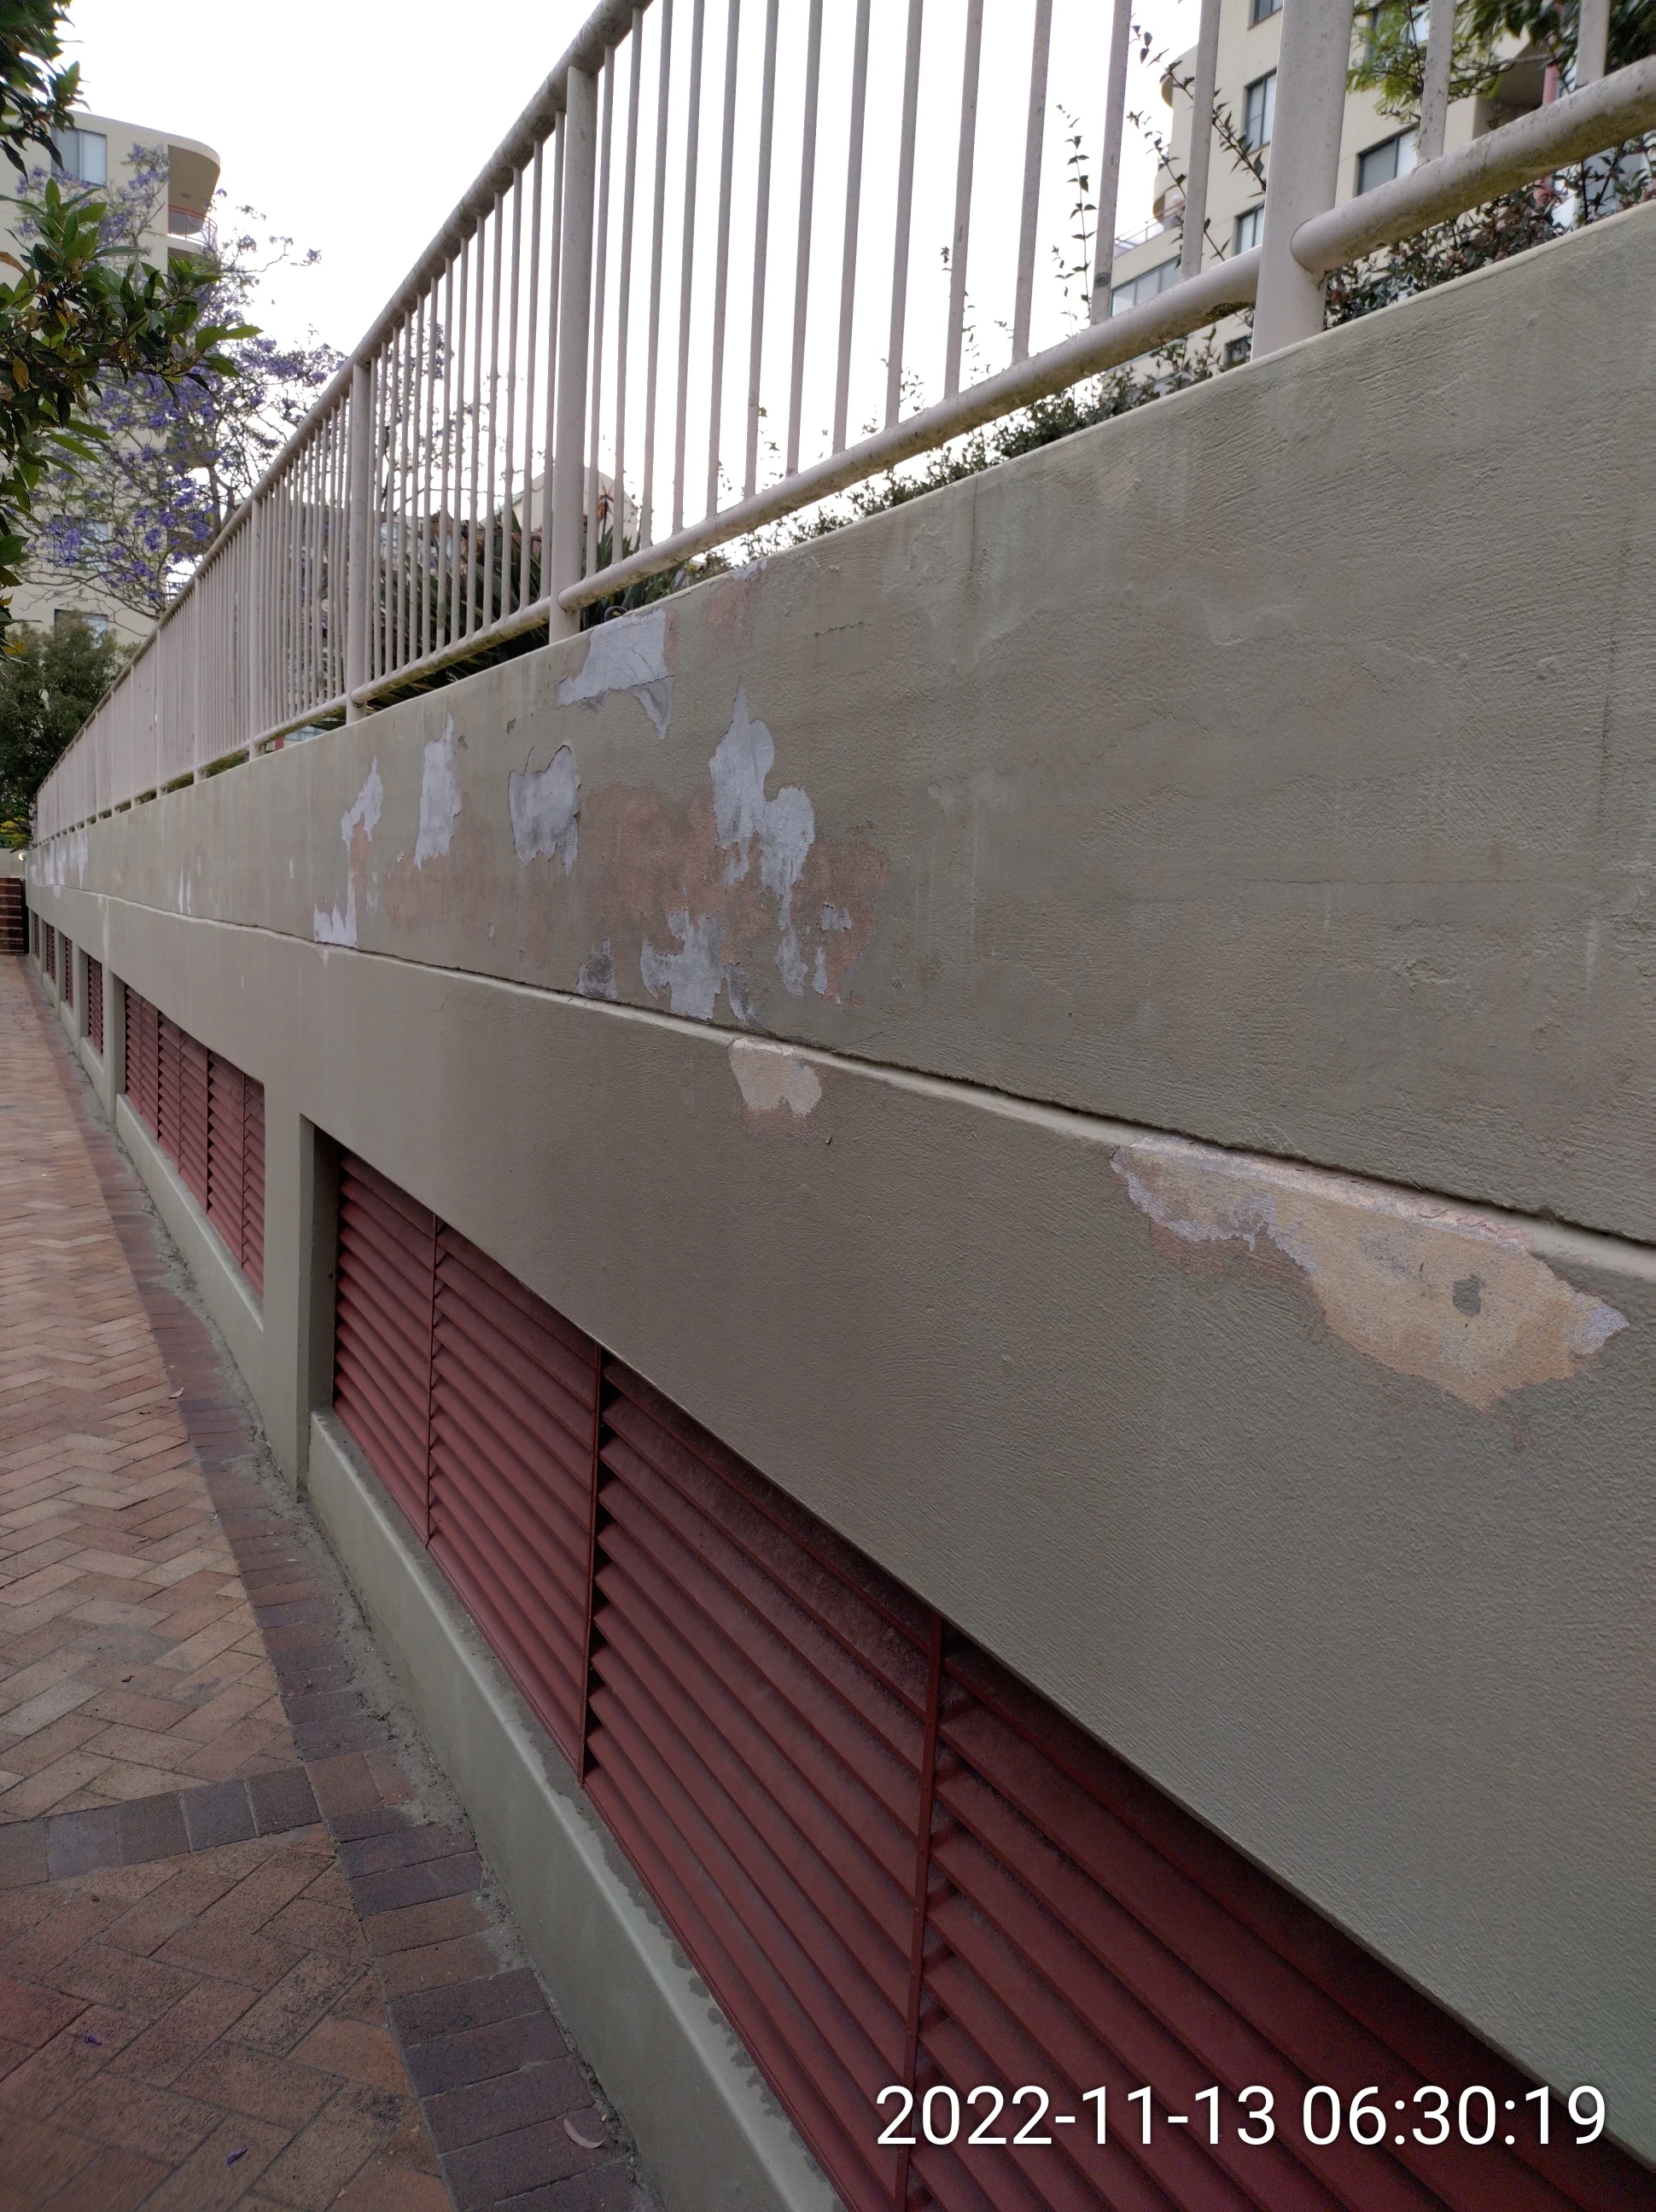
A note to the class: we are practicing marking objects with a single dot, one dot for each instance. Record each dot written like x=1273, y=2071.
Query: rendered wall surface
x=861, y=994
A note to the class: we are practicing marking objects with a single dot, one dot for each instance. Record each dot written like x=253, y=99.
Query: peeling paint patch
x=1452, y=1297
x=774, y=1080
x=597, y=976
x=693, y=976
x=440, y=797
x=544, y=805
x=783, y=827
x=628, y=654
x=356, y=827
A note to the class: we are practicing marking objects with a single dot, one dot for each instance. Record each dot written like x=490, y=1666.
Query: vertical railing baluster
x=1305, y=165
x=574, y=308
x=853, y=213
x=508, y=516
x=1433, y=125
x=652, y=363
x=802, y=250
x=554, y=283
x=1202, y=137
x=357, y=496
x=904, y=215
x=623, y=305
x=761, y=248
x=595, y=407
x=1034, y=143
x=1591, y=41
x=525, y=592
x=721, y=269
x=1115, y=110
x=687, y=260
x=965, y=156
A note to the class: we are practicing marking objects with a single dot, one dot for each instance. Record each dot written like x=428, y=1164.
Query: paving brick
x=282, y=2091
x=282, y=1801
x=196, y=2022
x=415, y=1926
x=602, y=2189
x=436, y=1964
x=113, y=2181
x=424, y=1882
x=23, y=1854
x=359, y=2049
x=34, y=2015
x=430, y=2014
x=509, y=2166
x=383, y=2186
x=220, y=2170
x=50, y=2156
x=505, y=2102
x=479, y=2054
x=318, y=2164
x=217, y=1813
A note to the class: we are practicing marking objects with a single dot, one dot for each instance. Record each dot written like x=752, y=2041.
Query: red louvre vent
x=892, y=1863
x=49, y=951
x=513, y=1414
x=34, y=935
x=759, y=1724
x=207, y=1117
x=170, y=1113
x=68, y=966
x=143, y=1060
x=94, y=1003
x=195, y=1083
x=253, y=1188
x=1083, y=1932
x=14, y=933
x=383, y=1330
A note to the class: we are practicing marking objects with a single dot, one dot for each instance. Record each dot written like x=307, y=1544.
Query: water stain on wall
x=1449, y=1296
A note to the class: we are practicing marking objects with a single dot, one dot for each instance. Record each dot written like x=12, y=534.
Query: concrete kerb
x=708, y=2128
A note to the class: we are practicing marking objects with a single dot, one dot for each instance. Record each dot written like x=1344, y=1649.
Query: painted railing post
x=255, y=621
x=1202, y=141
x=1114, y=101
x=1591, y=42
x=1302, y=178
x=1434, y=88
x=574, y=317
x=359, y=507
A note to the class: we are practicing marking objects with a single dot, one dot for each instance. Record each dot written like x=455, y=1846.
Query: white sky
x=355, y=125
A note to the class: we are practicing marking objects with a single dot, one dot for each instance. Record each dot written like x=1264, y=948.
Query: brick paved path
x=247, y=1953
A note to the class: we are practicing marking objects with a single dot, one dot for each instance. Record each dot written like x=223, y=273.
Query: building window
x=96, y=625
x=185, y=223
x=1249, y=224
x=1137, y=289
x=1392, y=157
x=83, y=155
x=1261, y=11
x=1258, y=112
x=1237, y=351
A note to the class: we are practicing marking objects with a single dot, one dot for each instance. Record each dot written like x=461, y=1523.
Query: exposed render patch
x=356, y=827
x=628, y=654
x=544, y=804
x=782, y=827
x=440, y=797
x=771, y=1078
x=597, y=976
x=1452, y=1297
x=693, y=976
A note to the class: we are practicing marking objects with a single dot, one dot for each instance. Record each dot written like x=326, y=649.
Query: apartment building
x=104, y=153
x=1374, y=147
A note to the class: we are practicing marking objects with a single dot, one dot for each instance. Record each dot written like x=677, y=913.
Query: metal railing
x=575, y=389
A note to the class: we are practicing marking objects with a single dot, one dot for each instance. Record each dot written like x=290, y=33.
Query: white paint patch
x=363, y=813
x=769, y=1077
x=691, y=976
x=784, y=827
x=440, y=797
x=1454, y=1298
x=628, y=654
x=544, y=803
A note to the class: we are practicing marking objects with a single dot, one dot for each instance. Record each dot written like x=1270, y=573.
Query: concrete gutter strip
x=708, y=2128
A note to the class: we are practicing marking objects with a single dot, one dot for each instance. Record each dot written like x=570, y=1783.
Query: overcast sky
x=355, y=125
